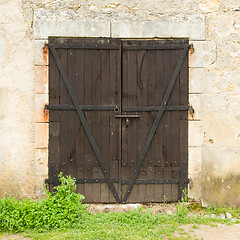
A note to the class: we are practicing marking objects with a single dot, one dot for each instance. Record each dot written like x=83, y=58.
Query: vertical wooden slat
x=174, y=123
x=105, y=119
x=124, y=104
x=95, y=115
x=88, y=149
x=158, y=138
x=71, y=131
x=132, y=125
x=54, y=126
x=63, y=115
x=166, y=122
x=54, y=86
x=184, y=117
x=142, y=131
x=151, y=93
x=115, y=99
x=80, y=135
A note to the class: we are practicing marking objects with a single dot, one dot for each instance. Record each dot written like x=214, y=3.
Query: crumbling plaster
x=213, y=26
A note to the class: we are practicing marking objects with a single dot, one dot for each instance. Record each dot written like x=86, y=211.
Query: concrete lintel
x=162, y=29
x=70, y=28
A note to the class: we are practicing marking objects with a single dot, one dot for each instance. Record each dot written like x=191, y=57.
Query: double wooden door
x=118, y=117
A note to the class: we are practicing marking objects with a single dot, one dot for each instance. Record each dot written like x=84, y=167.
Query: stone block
x=210, y=6
x=195, y=191
x=40, y=57
x=41, y=135
x=194, y=30
x=3, y=49
x=41, y=162
x=211, y=81
x=196, y=80
x=204, y=54
x=223, y=26
x=194, y=160
x=195, y=100
x=41, y=79
x=70, y=28
x=221, y=129
x=195, y=134
x=215, y=103
x=220, y=162
x=41, y=115
x=3, y=102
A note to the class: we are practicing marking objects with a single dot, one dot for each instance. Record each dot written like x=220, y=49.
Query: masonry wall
x=213, y=26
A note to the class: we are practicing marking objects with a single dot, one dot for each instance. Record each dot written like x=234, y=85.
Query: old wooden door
x=118, y=117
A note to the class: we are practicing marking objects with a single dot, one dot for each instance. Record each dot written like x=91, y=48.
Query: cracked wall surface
x=213, y=26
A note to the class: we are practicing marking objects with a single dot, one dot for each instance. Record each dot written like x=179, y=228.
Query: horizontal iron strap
x=160, y=181
x=86, y=46
x=155, y=108
x=94, y=180
x=155, y=47
x=82, y=107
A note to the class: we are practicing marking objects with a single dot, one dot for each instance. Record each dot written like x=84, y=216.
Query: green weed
x=61, y=209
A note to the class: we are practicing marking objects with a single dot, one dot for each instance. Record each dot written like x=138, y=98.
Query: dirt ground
x=204, y=232
x=221, y=232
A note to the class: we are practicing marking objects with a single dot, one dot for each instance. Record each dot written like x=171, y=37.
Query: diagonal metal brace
x=84, y=123
x=132, y=181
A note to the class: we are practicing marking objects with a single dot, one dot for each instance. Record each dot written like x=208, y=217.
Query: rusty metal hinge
x=45, y=48
x=191, y=48
x=191, y=109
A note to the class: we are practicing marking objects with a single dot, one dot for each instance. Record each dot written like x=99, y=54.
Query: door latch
x=127, y=118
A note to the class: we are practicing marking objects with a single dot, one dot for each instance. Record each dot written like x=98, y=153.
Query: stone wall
x=213, y=26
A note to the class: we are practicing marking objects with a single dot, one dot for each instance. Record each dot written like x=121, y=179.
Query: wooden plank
x=115, y=124
x=174, y=115
x=159, y=191
x=97, y=173
x=63, y=116
x=80, y=135
x=132, y=125
x=95, y=115
x=54, y=151
x=151, y=95
x=88, y=101
x=150, y=187
x=167, y=187
x=183, y=123
x=124, y=160
x=124, y=176
x=174, y=123
x=142, y=131
x=183, y=89
x=54, y=87
x=105, y=121
x=151, y=100
x=184, y=146
x=175, y=174
x=71, y=131
x=158, y=151
x=168, y=72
